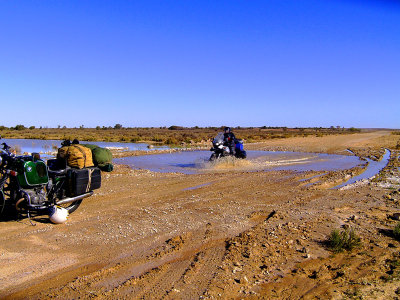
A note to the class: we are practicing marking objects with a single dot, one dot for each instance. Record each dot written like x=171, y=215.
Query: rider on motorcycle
x=229, y=139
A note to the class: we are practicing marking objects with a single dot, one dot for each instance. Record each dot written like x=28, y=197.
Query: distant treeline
x=173, y=135
x=175, y=127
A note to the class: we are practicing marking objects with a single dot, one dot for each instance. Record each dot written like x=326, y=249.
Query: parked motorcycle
x=30, y=186
x=220, y=149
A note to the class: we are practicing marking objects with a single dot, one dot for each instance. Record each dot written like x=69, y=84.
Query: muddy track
x=248, y=234
x=182, y=267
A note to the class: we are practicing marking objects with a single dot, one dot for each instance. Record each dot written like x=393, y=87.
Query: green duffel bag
x=102, y=157
x=90, y=146
x=108, y=167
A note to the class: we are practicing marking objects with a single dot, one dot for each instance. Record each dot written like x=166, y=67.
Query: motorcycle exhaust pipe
x=69, y=200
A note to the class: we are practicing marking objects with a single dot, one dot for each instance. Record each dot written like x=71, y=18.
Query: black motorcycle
x=30, y=186
x=221, y=149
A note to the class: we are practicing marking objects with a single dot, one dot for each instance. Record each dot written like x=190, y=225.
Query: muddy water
x=192, y=162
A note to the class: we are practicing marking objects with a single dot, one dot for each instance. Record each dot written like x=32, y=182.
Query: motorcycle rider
x=229, y=139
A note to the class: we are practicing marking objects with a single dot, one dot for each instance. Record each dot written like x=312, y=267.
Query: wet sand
x=227, y=234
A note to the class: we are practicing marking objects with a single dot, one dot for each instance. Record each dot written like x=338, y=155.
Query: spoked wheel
x=5, y=207
x=2, y=202
x=213, y=157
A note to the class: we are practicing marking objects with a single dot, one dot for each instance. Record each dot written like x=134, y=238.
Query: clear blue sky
x=205, y=63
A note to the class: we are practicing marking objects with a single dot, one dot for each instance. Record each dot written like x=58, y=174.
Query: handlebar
x=6, y=147
x=7, y=151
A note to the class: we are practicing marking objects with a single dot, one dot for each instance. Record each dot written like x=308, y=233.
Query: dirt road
x=229, y=235
x=331, y=143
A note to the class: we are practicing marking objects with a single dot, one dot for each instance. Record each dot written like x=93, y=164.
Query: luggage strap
x=90, y=171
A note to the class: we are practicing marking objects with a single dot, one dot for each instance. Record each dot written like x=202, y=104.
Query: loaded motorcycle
x=221, y=149
x=30, y=186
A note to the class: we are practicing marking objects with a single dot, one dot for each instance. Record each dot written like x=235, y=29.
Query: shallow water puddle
x=373, y=168
x=192, y=162
x=197, y=186
x=51, y=146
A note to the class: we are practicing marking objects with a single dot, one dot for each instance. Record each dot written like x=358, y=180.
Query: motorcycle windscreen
x=219, y=138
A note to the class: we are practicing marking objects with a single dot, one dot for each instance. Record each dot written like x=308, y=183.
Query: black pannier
x=84, y=180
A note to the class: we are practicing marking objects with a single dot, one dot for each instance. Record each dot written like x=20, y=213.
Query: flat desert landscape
x=232, y=233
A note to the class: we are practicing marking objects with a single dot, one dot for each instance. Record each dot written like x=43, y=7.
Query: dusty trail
x=247, y=234
x=330, y=144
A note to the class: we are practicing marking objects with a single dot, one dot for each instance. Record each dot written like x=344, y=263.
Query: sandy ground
x=237, y=235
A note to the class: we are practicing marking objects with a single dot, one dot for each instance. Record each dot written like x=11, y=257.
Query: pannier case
x=82, y=181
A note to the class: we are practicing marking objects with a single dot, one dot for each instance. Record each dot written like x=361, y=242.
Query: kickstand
x=29, y=217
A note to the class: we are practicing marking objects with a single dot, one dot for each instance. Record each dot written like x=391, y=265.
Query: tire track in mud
x=154, y=284
x=163, y=273
x=186, y=276
x=183, y=267
x=198, y=276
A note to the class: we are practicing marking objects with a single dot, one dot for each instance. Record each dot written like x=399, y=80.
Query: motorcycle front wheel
x=2, y=202
x=213, y=157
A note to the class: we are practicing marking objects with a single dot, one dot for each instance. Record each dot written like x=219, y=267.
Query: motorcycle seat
x=57, y=167
x=53, y=173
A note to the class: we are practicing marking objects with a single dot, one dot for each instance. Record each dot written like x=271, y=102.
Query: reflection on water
x=191, y=162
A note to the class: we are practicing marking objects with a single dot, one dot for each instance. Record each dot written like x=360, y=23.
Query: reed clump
x=340, y=240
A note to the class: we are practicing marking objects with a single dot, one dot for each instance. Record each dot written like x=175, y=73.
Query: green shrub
x=171, y=141
x=174, y=127
x=396, y=231
x=20, y=127
x=157, y=139
x=343, y=240
x=353, y=130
